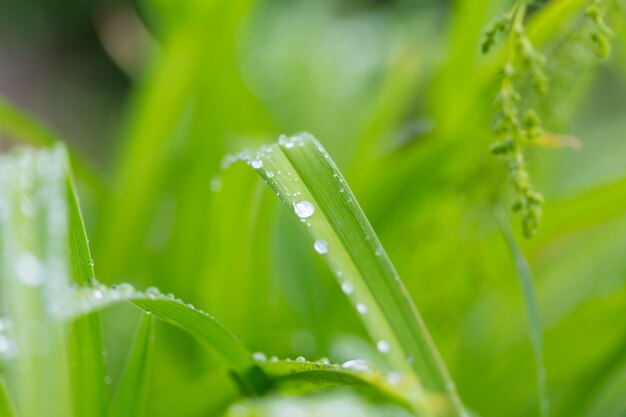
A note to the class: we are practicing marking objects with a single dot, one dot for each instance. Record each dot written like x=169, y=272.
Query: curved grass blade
x=302, y=377
x=339, y=403
x=308, y=182
x=6, y=408
x=532, y=310
x=131, y=392
x=174, y=311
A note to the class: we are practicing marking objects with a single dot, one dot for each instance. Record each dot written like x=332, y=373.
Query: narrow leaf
x=308, y=182
x=532, y=310
x=199, y=324
x=301, y=377
x=90, y=393
x=33, y=274
x=131, y=392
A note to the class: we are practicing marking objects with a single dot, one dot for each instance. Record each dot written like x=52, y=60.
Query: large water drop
x=321, y=246
x=361, y=308
x=347, y=287
x=383, y=346
x=356, y=365
x=29, y=270
x=303, y=209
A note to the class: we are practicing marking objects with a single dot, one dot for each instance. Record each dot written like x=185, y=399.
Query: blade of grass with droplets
x=90, y=393
x=173, y=311
x=131, y=392
x=532, y=310
x=301, y=377
x=308, y=182
x=33, y=274
x=6, y=408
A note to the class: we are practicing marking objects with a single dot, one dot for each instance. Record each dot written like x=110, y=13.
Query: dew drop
x=97, y=294
x=216, y=184
x=153, y=292
x=321, y=246
x=126, y=289
x=259, y=356
x=289, y=144
x=256, y=163
x=270, y=174
x=361, y=308
x=303, y=209
x=28, y=269
x=300, y=359
x=356, y=365
x=347, y=287
x=5, y=345
x=394, y=378
x=379, y=251
x=383, y=346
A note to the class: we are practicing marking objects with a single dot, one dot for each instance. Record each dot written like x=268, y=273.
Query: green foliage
x=401, y=97
x=307, y=181
x=131, y=392
x=6, y=408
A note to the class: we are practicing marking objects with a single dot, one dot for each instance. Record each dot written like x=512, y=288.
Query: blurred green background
x=153, y=94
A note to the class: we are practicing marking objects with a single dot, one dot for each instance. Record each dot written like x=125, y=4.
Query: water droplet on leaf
x=361, y=308
x=347, y=287
x=321, y=246
x=356, y=365
x=303, y=209
x=28, y=269
x=383, y=346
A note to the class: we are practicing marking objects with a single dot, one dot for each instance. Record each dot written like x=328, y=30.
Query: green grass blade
x=86, y=346
x=302, y=377
x=532, y=309
x=6, y=408
x=174, y=311
x=33, y=226
x=336, y=403
x=308, y=182
x=131, y=392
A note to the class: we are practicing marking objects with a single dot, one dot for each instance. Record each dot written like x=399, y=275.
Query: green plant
x=307, y=181
x=402, y=99
x=523, y=64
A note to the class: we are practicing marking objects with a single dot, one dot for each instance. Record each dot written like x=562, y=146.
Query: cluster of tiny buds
x=501, y=25
x=530, y=59
x=529, y=201
x=601, y=33
x=522, y=59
